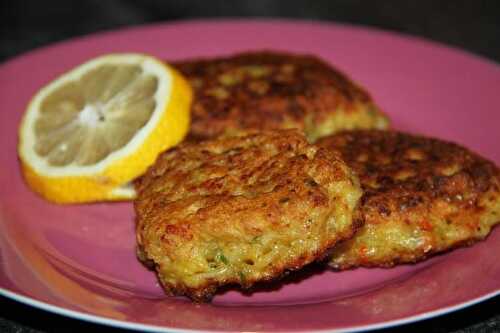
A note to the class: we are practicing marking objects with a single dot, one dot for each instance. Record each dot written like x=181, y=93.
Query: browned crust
x=241, y=188
x=267, y=90
x=425, y=185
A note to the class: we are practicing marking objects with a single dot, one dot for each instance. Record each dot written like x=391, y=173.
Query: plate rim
x=243, y=20
x=95, y=319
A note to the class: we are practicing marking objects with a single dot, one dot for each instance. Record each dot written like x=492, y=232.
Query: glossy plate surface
x=80, y=261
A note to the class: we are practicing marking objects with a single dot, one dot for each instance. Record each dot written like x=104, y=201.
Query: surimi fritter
x=270, y=90
x=244, y=209
x=421, y=196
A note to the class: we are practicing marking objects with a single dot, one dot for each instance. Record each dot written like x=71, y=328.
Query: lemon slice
x=90, y=132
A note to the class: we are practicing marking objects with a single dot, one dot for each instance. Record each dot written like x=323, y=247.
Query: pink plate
x=79, y=260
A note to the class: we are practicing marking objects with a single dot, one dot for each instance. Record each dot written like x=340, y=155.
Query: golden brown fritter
x=269, y=90
x=241, y=210
x=421, y=196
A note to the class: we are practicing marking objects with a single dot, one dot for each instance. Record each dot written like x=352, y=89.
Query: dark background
x=467, y=24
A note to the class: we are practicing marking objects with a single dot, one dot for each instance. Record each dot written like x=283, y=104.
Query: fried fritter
x=421, y=196
x=241, y=210
x=270, y=90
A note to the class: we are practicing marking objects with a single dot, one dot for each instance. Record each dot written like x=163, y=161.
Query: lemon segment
x=90, y=132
